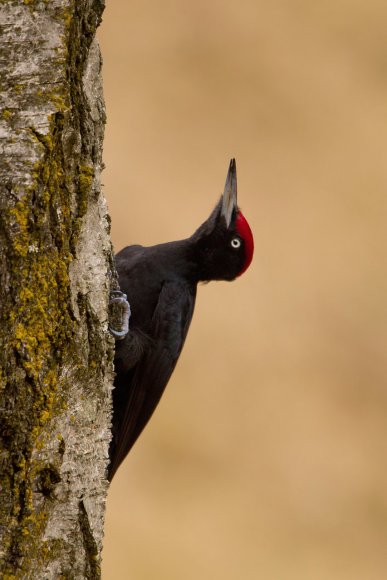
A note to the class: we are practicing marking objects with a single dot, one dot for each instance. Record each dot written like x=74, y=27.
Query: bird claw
x=119, y=314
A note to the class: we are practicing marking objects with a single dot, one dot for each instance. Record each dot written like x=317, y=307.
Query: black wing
x=139, y=390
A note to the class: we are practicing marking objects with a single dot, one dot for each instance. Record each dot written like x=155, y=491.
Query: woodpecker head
x=224, y=244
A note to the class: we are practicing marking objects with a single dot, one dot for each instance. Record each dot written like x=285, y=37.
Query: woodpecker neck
x=174, y=259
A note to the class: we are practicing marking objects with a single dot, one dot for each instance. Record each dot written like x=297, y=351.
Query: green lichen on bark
x=41, y=329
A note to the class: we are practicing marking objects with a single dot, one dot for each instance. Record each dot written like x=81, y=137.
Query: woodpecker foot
x=119, y=314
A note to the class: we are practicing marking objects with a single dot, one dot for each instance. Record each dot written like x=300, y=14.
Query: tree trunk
x=55, y=274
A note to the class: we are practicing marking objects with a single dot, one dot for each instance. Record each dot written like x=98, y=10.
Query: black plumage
x=160, y=283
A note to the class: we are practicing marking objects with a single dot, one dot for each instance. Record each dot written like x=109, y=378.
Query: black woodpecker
x=160, y=283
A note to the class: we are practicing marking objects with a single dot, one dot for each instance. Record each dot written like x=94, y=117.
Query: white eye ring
x=235, y=243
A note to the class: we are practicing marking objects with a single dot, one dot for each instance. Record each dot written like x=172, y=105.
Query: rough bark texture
x=55, y=274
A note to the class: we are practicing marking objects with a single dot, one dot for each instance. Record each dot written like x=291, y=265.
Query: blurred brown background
x=266, y=458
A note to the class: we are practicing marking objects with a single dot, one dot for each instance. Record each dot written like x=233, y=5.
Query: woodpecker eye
x=235, y=243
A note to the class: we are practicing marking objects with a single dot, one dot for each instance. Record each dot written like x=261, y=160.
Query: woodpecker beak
x=229, y=198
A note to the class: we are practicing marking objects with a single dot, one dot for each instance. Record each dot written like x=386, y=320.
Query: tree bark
x=56, y=268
